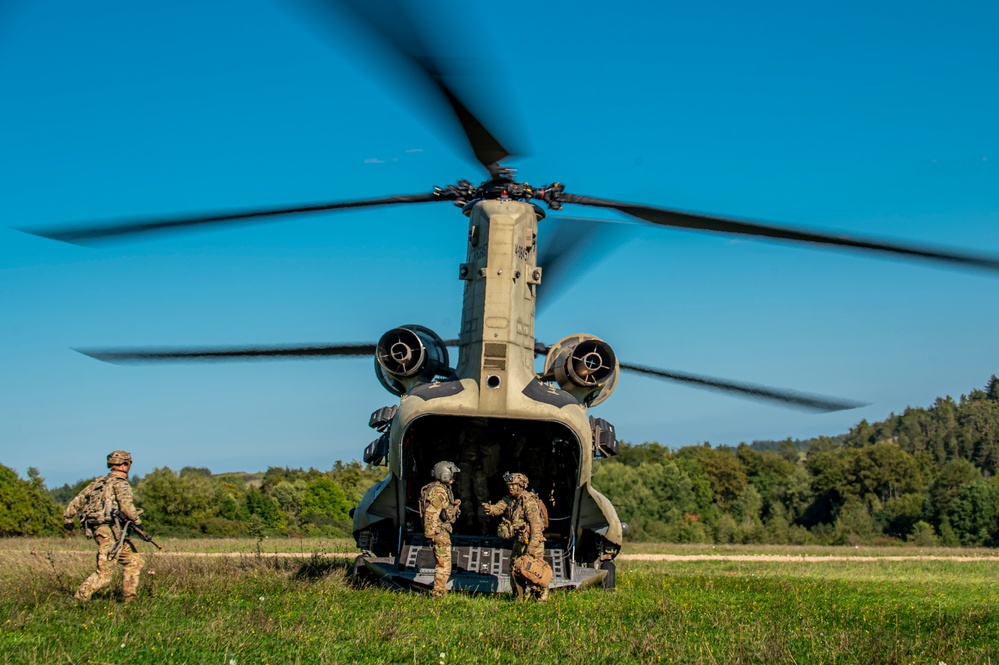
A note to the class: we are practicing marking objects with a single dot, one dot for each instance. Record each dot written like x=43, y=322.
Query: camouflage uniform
x=110, y=492
x=439, y=511
x=540, y=463
x=523, y=522
x=480, y=461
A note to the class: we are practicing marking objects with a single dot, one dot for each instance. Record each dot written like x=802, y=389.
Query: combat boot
x=440, y=586
x=543, y=595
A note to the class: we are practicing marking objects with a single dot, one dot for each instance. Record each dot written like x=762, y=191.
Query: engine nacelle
x=408, y=356
x=584, y=366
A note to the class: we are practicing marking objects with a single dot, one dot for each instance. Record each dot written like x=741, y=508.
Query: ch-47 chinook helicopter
x=531, y=419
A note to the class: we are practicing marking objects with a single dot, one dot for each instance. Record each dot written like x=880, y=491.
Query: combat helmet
x=444, y=471
x=119, y=457
x=515, y=479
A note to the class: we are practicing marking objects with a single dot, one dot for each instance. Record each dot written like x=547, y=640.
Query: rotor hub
x=504, y=187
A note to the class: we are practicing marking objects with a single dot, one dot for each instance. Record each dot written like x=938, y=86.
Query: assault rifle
x=124, y=525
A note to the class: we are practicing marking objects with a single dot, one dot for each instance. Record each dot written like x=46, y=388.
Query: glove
x=68, y=525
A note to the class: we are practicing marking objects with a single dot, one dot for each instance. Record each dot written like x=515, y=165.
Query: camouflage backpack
x=543, y=509
x=98, y=506
x=425, y=498
x=449, y=511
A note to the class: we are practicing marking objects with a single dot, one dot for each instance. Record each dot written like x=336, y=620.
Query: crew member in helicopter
x=439, y=511
x=533, y=457
x=479, y=456
x=524, y=520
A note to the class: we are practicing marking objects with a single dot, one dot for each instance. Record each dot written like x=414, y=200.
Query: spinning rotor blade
x=83, y=233
x=778, y=396
x=224, y=354
x=390, y=21
x=685, y=220
x=781, y=397
x=217, y=354
x=569, y=248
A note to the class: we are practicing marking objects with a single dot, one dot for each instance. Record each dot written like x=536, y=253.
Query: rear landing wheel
x=610, y=582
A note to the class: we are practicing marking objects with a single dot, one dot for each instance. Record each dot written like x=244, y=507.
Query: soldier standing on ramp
x=94, y=506
x=439, y=510
x=480, y=458
x=524, y=520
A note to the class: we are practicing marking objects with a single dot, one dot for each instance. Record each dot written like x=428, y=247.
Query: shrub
x=922, y=535
x=26, y=508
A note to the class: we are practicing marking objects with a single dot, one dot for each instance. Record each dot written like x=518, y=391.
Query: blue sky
x=872, y=120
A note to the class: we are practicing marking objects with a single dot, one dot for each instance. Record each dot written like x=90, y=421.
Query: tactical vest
x=100, y=502
x=425, y=500
x=508, y=528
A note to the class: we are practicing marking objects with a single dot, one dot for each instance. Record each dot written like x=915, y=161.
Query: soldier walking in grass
x=439, y=510
x=524, y=520
x=95, y=505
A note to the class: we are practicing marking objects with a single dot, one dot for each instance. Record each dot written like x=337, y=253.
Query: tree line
x=926, y=476
x=194, y=502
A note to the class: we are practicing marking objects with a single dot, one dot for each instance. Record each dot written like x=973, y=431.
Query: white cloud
x=376, y=160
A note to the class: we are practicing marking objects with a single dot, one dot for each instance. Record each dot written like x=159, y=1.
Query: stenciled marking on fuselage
x=522, y=252
x=478, y=253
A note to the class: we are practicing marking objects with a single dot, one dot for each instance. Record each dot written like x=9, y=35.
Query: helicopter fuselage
x=492, y=413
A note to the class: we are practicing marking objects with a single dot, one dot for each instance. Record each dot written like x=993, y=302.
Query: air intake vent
x=494, y=350
x=494, y=363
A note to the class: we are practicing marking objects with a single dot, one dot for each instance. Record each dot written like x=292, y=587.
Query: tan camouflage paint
x=495, y=363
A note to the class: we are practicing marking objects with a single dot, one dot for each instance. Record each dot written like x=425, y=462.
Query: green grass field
x=235, y=606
